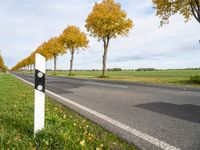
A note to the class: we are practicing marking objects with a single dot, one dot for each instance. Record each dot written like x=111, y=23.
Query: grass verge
x=161, y=77
x=64, y=129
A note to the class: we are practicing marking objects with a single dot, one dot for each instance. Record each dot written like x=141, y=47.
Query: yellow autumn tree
x=55, y=48
x=73, y=39
x=187, y=8
x=42, y=49
x=1, y=63
x=106, y=21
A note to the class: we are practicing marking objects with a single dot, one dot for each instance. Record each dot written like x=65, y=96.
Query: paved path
x=151, y=117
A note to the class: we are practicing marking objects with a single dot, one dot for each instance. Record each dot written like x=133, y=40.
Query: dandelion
x=82, y=143
x=64, y=116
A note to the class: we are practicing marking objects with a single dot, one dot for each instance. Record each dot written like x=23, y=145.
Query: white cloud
x=27, y=24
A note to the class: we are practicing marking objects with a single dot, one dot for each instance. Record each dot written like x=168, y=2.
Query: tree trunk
x=31, y=69
x=71, y=62
x=55, y=58
x=106, y=43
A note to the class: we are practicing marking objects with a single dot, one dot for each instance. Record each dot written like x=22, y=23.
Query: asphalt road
x=151, y=117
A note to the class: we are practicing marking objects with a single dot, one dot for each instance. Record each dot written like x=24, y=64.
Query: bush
x=195, y=79
x=114, y=69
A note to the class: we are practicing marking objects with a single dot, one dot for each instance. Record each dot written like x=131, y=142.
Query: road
x=151, y=117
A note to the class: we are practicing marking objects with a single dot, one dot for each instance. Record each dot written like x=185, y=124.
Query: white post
x=39, y=93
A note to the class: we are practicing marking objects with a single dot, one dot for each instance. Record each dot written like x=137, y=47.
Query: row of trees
x=70, y=40
x=2, y=65
x=106, y=21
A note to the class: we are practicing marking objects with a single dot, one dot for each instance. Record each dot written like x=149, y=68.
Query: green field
x=64, y=129
x=166, y=77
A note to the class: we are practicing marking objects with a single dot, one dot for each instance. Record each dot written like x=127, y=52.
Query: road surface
x=151, y=117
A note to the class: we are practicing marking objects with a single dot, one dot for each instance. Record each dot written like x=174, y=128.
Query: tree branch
x=195, y=12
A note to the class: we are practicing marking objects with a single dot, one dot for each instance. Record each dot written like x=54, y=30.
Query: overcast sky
x=25, y=24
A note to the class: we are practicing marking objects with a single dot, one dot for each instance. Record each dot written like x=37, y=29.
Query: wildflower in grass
x=64, y=116
x=100, y=147
x=82, y=143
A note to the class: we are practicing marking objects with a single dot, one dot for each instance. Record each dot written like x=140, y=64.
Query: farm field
x=63, y=129
x=165, y=77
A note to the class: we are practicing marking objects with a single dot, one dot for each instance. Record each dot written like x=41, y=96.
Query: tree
x=1, y=62
x=167, y=8
x=73, y=39
x=54, y=48
x=106, y=21
x=2, y=65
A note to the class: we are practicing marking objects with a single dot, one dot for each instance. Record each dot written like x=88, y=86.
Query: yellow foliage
x=53, y=48
x=1, y=62
x=167, y=8
x=107, y=20
x=73, y=39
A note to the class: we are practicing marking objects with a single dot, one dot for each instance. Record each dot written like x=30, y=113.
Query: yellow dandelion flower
x=82, y=143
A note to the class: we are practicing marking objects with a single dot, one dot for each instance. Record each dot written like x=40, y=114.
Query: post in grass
x=39, y=103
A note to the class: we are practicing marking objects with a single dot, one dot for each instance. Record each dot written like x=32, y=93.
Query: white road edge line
x=137, y=133
x=104, y=84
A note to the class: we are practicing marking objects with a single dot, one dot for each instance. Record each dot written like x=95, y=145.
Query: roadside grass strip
x=163, y=77
x=64, y=129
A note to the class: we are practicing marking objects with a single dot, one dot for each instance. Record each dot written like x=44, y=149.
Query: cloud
x=26, y=24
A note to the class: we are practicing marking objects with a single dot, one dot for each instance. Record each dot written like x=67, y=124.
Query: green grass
x=64, y=129
x=164, y=77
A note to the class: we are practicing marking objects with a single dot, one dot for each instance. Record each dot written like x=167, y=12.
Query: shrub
x=195, y=79
x=114, y=69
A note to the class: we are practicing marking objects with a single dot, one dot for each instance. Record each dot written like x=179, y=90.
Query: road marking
x=104, y=84
x=161, y=144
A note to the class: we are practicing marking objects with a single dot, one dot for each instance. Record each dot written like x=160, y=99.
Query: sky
x=25, y=24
